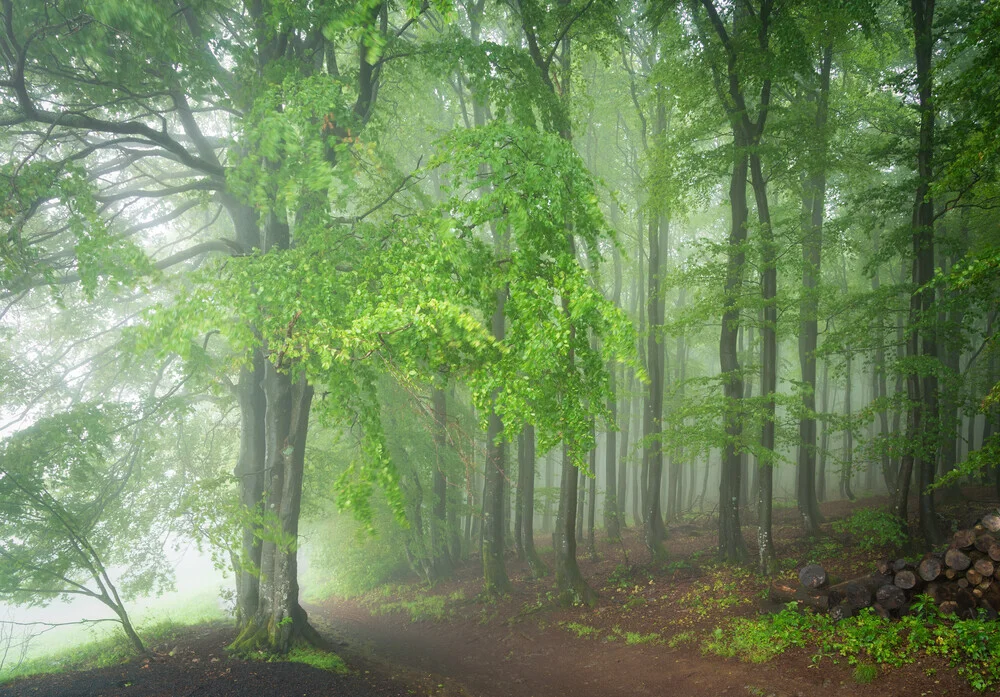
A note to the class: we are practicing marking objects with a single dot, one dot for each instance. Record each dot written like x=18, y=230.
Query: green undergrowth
x=324, y=660
x=110, y=650
x=420, y=608
x=972, y=647
x=582, y=631
x=872, y=529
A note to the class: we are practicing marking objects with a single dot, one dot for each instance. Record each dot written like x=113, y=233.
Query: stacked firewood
x=961, y=580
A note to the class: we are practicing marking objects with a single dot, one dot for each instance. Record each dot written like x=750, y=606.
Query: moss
x=317, y=658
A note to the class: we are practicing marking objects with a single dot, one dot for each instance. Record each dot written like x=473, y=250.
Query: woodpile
x=961, y=580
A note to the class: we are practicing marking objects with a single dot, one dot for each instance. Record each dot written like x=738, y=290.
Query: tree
x=79, y=490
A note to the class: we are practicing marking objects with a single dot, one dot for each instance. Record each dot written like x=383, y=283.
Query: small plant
x=581, y=630
x=678, y=565
x=865, y=673
x=873, y=529
x=423, y=607
x=827, y=549
x=634, y=602
x=621, y=577
x=634, y=638
x=681, y=638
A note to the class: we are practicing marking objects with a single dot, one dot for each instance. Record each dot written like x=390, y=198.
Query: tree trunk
x=569, y=580
x=847, y=473
x=675, y=497
x=280, y=622
x=923, y=250
x=732, y=546
x=592, y=510
x=250, y=475
x=441, y=563
x=881, y=386
x=495, y=581
x=549, y=475
x=519, y=499
x=526, y=494
x=653, y=413
x=825, y=435
x=814, y=205
x=767, y=560
x=611, y=507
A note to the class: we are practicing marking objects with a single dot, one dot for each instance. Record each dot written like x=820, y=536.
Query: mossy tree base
x=262, y=634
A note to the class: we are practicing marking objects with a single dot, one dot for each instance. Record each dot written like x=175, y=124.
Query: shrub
x=873, y=529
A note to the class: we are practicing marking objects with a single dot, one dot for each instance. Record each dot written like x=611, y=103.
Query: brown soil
x=521, y=646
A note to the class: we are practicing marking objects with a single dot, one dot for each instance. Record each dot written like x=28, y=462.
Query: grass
x=581, y=631
x=109, y=650
x=324, y=660
x=865, y=673
x=422, y=607
x=635, y=638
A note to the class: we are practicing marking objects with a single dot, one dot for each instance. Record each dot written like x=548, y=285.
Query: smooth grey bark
x=495, y=580
x=653, y=411
x=814, y=205
x=526, y=505
x=766, y=557
x=612, y=525
x=441, y=561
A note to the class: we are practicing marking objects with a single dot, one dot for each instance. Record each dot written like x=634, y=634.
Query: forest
x=659, y=338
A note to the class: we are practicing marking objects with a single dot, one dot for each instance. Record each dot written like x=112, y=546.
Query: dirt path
x=521, y=647
x=525, y=661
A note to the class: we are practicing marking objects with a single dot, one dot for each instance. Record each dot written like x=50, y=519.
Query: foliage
x=971, y=646
x=345, y=561
x=872, y=529
x=81, y=492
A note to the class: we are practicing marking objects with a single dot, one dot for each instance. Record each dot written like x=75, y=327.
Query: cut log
x=985, y=567
x=984, y=542
x=963, y=583
x=994, y=551
x=890, y=596
x=974, y=577
x=938, y=591
x=967, y=604
x=929, y=569
x=841, y=612
x=782, y=592
x=899, y=565
x=963, y=539
x=951, y=574
x=948, y=607
x=991, y=521
x=812, y=576
x=880, y=611
x=957, y=559
x=884, y=567
x=906, y=579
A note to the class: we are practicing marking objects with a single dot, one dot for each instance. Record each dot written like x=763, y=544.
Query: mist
x=479, y=311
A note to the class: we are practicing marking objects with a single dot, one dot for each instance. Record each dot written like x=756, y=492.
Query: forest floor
x=644, y=636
